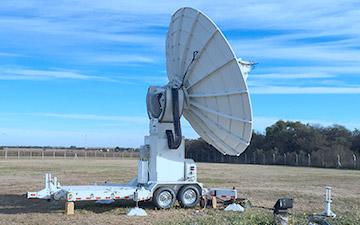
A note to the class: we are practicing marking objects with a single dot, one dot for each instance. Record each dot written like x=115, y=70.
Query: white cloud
x=53, y=137
x=303, y=90
x=310, y=52
x=92, y=117
x=292, y=76
x=150, y=80
x=120, y=59
x=92, y=22
x=261, y=122
x=41, y=75
x=100, y=130
x=348, y=69
x=7, y=54
x=87, y=28
x=34, y=74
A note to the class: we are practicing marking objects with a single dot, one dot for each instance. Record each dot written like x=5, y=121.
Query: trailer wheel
x=189, y=196
x=164, y=198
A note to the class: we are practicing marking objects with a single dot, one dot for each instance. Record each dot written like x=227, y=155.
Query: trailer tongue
x=54, y=191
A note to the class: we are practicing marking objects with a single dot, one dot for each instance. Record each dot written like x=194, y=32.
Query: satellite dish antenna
x=207, y=84
x=200, y=60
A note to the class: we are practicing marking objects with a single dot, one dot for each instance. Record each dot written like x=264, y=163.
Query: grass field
x=263, y=185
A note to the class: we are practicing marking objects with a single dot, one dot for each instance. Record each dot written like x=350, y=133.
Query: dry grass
x=263, y=185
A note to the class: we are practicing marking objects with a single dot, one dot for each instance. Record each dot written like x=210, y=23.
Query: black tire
x=186, y=192
x=161, y=198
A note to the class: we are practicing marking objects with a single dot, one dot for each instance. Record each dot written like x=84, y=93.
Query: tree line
x=291, y=143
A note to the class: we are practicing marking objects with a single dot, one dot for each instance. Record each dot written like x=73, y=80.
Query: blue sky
x=77, y=72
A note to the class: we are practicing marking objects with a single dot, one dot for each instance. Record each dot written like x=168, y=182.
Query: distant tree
x=355, y=147
x=294, y=138
x=288, y=136
x=338, y=135
x=257, y=142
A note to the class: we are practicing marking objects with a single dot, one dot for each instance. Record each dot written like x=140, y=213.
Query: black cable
x=192, y=60
x=174, y=142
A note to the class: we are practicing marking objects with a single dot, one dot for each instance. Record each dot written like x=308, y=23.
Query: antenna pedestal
x=163, y=164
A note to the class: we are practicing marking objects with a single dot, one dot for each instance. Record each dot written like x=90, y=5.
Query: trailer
x=163, y=195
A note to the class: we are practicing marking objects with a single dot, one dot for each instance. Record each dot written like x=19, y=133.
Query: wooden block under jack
x=214, y=202
x=69, y=208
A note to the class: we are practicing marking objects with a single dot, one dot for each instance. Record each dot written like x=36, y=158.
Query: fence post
x=338, y=161
x=274, y=158
x=30, y=154
x=42, y=154
x=354, y=159
x=54, y=154
x=297, y=159
x=6, y=153
x=285, y=159
x=18, y=156
x=309, y=159
x=75, y=156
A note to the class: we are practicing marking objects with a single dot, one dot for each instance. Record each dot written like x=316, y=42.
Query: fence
x=64, y=154
x=316, y=159
x=333, y=160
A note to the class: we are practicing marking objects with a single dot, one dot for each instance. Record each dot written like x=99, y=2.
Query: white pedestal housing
x=158, y=163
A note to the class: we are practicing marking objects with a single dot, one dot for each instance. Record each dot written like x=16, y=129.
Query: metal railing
x=64, y=154
x=347, y=160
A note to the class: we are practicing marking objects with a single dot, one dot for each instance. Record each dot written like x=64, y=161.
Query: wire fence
x=9, y=154
x=332, y=160
x=316, y=159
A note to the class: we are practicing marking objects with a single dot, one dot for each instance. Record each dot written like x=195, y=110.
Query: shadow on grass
x=17, y=204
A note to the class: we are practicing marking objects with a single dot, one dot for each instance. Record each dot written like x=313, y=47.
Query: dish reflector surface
x=218, y=104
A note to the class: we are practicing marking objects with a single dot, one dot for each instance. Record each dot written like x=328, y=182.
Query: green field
x=262, y=185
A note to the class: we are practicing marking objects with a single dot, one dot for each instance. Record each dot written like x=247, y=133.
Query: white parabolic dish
x=218, y=103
